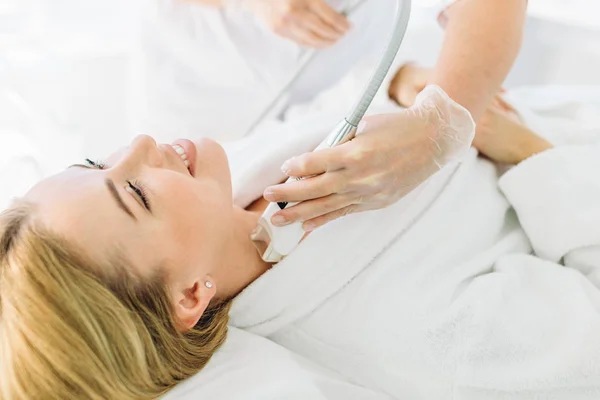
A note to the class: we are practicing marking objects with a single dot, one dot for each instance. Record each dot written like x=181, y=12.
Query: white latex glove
x=311, y=23
x=391, y=156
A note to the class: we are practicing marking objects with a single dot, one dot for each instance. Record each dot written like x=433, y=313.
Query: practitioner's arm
x=470, y=74
x=481, y=42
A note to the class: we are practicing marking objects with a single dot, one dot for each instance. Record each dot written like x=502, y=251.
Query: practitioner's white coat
x=203, y=71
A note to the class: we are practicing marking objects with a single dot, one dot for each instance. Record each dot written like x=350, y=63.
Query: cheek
x=198, y=213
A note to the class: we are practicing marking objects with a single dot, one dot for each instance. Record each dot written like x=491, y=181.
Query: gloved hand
x=391, y=156
x=311, y=23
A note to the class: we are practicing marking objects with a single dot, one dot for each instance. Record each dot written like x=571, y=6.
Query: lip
x=190, y=152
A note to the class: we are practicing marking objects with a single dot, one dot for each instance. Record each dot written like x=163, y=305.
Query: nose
x=143, y=149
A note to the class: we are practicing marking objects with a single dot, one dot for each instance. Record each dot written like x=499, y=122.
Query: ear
x=191, y=302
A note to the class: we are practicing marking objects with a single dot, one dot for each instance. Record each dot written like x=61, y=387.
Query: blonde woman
x=117, y=278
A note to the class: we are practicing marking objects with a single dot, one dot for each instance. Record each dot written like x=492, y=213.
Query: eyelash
x=96, y=164
x=141, y=191
x=136, y=186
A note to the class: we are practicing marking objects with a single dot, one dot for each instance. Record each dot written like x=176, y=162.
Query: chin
x=211, y=161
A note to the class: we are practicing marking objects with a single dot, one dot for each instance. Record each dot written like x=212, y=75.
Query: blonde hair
x=69, y=331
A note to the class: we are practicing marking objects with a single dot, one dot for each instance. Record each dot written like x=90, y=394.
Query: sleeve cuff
x=556, y=195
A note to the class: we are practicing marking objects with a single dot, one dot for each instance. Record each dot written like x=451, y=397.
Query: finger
x=312, y=22
x=311, y=209
x=305, y=189
x=316, y=162
x=305, y=37
x=408, y=95
x=330, y=16
x=506, y=106
x=498, y=105
x=319, y=221
x=494, y=104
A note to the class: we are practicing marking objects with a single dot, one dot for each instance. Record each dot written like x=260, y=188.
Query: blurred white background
x=64, y=67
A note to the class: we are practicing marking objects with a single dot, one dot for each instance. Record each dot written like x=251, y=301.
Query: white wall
x=583, y=13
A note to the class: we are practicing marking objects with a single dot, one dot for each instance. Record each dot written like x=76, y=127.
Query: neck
x=242, y=263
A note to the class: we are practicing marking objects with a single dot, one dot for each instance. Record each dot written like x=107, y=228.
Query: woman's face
x=145, y=202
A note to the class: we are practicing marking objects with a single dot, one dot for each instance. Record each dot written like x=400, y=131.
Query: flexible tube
x=403, y=8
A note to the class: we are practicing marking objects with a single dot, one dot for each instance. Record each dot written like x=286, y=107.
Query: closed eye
x=95, y=164
x=137, y=189
x=140, y=192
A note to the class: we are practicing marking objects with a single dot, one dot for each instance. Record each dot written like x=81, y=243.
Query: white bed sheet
x=250, y=367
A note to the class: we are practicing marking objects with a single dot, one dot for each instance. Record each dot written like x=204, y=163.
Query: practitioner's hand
x=409, y=81
x=311, y=23
x=501, y=136
x=392, y=155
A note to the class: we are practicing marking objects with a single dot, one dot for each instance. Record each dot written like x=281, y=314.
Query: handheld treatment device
x=273, y=243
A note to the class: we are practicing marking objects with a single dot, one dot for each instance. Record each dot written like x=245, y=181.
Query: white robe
x=438, y=296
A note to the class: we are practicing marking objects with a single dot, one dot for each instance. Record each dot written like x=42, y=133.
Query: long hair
x=70, y=331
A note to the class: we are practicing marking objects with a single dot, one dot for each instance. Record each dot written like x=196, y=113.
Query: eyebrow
x=115, y=194
x=80, y=166
x=112, y=190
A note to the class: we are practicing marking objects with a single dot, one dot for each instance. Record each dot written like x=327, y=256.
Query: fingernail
x=278, y=220
x=269, y=195
x=309, y=226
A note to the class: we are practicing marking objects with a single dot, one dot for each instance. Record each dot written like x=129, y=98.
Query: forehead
x=77, y=205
